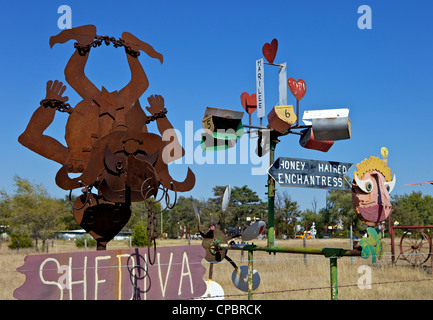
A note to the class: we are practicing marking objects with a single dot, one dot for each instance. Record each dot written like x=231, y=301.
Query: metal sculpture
x=282, y=121
x=108, y=143
x=371, y=188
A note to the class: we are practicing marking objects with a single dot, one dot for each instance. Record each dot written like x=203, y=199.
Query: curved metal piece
x=209, y=240
x=85, y=202
x=175, y=197
x=83, y=34
x=154, y=252
x=114, y=163
x=184, y=186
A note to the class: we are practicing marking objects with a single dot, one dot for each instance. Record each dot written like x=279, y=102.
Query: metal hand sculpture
x=108, y=143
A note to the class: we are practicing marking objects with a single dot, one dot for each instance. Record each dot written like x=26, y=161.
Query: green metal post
x=271, y=197
x=334, y=279
x=250, y=275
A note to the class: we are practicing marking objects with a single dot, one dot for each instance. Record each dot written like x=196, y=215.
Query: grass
x=283, y=276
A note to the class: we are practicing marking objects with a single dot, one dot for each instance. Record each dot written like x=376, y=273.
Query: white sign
x=260, y=88
x=322, y=114
x=282, y=84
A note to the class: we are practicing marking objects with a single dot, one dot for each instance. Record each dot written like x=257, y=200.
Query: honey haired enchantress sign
x=293, y=172
x=176, y=273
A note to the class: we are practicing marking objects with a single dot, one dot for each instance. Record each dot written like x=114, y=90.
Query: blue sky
x=384, y=75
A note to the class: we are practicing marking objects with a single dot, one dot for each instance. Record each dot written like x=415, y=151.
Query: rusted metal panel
x=281, y=118
x=114, y=275
x=107, y=139
x=308, y=141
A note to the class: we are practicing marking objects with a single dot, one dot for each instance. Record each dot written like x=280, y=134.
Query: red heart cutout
x=249, y=102
x=270, y=50
x=297, y=87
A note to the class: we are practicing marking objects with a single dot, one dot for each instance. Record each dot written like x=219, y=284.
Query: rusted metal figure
x=108, y=143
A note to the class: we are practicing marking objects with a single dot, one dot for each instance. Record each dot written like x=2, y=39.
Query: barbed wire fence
x=282, y=258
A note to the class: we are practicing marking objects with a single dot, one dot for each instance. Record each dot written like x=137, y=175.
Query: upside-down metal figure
x=108, y=143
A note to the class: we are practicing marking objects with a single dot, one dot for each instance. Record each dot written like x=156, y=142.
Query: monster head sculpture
x=371, y=188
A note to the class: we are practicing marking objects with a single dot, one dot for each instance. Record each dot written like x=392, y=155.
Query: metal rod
x=334, y=278
x=351, y=240
x=254, y=127
x=273, y=64
x=391, y=233
x=327, y=252
x=294, y=132
x=250, y=274
x=211, y=271
x=300, y=127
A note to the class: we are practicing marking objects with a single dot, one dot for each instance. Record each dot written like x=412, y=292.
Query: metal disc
x=197, y=214
x=226, y=197
x=241, y=282
x=213, y=291
x=253, y=230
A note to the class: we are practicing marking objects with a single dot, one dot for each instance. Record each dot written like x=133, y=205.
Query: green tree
x=339, y=204
x=413, y=209
x=139, y=236
x=31, y=210
x=85, y=240
x=309, y=217
x=20, y=241
x=181, y=218
x=286, y=214
x=243, y=203
x=140, y=213
x=68, y=220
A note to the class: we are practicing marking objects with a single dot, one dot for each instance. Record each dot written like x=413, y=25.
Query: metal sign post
x=288, y=172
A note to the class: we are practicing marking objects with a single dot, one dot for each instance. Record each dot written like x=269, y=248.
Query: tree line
x=31, y=213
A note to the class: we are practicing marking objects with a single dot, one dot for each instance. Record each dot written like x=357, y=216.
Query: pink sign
x=176, y=273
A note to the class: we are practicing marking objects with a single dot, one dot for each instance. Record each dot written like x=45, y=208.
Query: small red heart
x=270, y=50
x=249, y=102
x=297, y=87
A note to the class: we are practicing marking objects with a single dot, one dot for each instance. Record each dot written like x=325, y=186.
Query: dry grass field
x=283, y=276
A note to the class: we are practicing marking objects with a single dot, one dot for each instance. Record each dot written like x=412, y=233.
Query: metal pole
x=304, y=244
x=250, y=275
x=351, y=241
x=334, y=279
x=391, y=233
x=271, y=197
